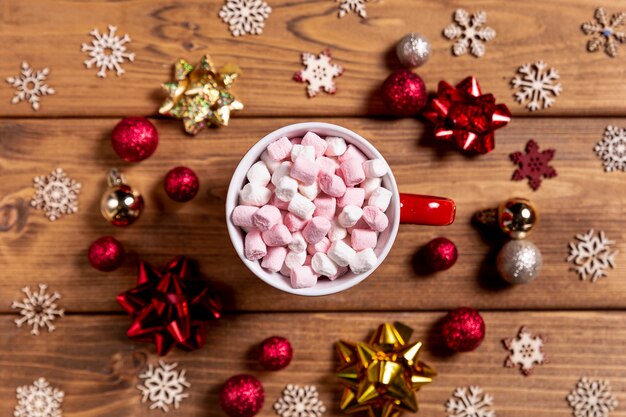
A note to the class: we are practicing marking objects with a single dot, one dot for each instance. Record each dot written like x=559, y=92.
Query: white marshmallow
x=341, y=253
x=309, y=191
x=336, y=146
x=259, y=174
x=336, y=232
x=254, y=195
x=306, y=152
x=380, y=197
x=297, y=244
x=374, y=168
x=371, y=184
x=282, y=171
x=286, y=188
x=363, y=261
x=301, y=206
x=295, y=259
x=323, y=265
x=269, y=162
x=349, y=216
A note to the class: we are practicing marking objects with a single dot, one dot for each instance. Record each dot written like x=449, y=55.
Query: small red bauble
x=463, y=329
x=441, y=254
x=134, y=139
x=275, y=353
x=242, y=396
x=404, y=93
x=106, y=254
x=181, y=184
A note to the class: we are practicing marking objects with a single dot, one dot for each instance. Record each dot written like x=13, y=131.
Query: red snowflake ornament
x=533, y=164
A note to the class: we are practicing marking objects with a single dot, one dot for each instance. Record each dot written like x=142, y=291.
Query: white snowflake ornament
x=319, y=72
x=299, y=402
x=526, y=351
x=470, y=33
x=245, y=16
x=470, y=402
x=606, y=32
x=537, y=85
x=30, y=85
x=38, y=400
x=56, y=194
x=612, y=149
x=357, y=6
x=107, y=51
x=591, y=255
x=38, y=309
x=592, y=398
x=163, y=386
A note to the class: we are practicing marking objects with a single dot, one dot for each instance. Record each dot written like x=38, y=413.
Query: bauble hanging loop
x=121, y=204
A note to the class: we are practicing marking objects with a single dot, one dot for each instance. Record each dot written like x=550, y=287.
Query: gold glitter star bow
x=381, y=376
x=200, y=95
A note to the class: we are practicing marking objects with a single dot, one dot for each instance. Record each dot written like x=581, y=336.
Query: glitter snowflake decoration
x=107, y=51
x=526, y=351
x=533, y=164
x=299, y=402
x=357, y=6
x=537, y=85
x=163, y=386
x=592, y=398
x=30, y=85
x=245, y=16
x=55, y=194
x=319, y=73
x=470, y=33
x=38, y=400
x=38, y=309
x=605, y=32
x=470, y=402
x=591, y=255
x=612, y=149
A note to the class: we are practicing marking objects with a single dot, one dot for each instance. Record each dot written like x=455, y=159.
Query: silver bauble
x=519, y=261
x=413, y=50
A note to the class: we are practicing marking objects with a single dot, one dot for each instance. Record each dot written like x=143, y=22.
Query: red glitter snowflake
x=533, y=164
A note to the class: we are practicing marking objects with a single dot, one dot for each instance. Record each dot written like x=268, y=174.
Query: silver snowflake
x=526, y=351
x=107, y=51
x=39, y=309
x=591, y=255
x=470, y=402
x=30, y=85
x=592, y=398
x=612, y=149
x=299, y=402
x=537, y=85
x=163, y=386
x=470, y=33
x=605, y=32
x=245, y=16
x=38, y=400
x=55, y=194
x=319, y=73
x=357, y=6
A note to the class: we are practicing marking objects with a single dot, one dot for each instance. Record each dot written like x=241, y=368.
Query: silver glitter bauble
x=519, y=261
x=413, y=50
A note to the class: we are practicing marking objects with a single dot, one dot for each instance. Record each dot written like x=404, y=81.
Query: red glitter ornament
x=275, y=353
x=441, y=254
x=134, y=139
x=106, y=254
x=242, y=396
x=533, y=164
x=404, y=93
x=463, y=329
x=181, y=184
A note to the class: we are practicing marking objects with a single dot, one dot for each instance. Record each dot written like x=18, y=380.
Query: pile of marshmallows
x=313, y=207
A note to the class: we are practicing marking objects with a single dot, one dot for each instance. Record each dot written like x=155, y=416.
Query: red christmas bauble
x=275, y=353
x=181, y=184
x=441, y=254
x=242, y=396
x=404, y=93
x=134, y=139
x=106, y=254
x=463, y=329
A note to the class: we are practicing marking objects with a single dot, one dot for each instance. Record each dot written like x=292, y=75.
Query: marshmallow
x=341, y=270
x=286, y=188
x=363, y=261
x=316, y=229
x=322, y=246
x=323, y=265
x=297, y=244
x=294, y=223
x=352, y=152
x=374, y=168
x=363, y=239
x=285, y=271
x=303, y=277
x=381, y=197
x=304, y=171
x=295, y=259
x=327, y=165
x=309, y=191
x=352, y=197
x=341, y=253
x=275, y=259
x=332, y=185
x=370, y=184
x=296, y=141
x=259, y=174
x=336, y=146
x=242, y=216
x=269, y=162
x=278, y=235
x=275, y=201
x=266, y=217
x=280, y=172
x=319, y=144
x=254, y=247
x=375, y=218
x=306, y=152
x=301, y=206
x=361, y=224
x=325, y=206
x=280, y=149
x=352, y=172
x=349, y=216
x=336, y=232
x=254, y=195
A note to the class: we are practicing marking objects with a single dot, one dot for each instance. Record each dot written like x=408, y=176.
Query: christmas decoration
x=55, y=194
x=526, y=351
x=356, y=6
x=169, y=307
x=404, y=93
x=106, y=254
x=299, y=402
x=245, y=16
x=465, y=116
x=516, y=217
x=181, y=184
x=38, y=400
x=441, y=254
x=107, y=51
x=463, y=329
x=121, y=204
x=533, y=164
x=592, y=398
x=591, y=255
x=30, y=85
x=242, y=396
x=134, y=139
x=381, y=376
x=537, y=85
x=275, y=353
x=413, y=50
x=38, y=309
x=200, y=96
x=612, y=149
x=519, y=262
x=470, y=402
x=605, y=32
x=318, y=73
x=470, y=33
x=163, y=386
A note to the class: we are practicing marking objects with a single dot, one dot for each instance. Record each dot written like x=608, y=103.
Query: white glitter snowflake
x=245, y=16
x=612, y=149
x=39, y=309
x=592, y=398
x=591, y=255
x=537, y=85
x=470, y=33
x=163, y=386
x=55, y=194
x=319, y=73
x=470, y=402
x=38, y=400
x=299, y=402
x=526, y=351
x=357, y=6
x=30, y=85
x=605, y=32
x=107, y=51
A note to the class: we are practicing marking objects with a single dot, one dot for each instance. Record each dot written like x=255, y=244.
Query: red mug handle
x=426, y=210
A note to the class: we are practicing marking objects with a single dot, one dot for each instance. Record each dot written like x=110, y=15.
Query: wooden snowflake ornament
x=533, y=164
x=319, y=73
x=606, y=32
x=526, y=351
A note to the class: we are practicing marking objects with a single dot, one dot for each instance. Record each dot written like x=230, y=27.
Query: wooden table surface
x=89, y=356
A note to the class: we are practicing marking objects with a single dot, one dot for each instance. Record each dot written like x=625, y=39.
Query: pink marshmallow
x=307, y=260
x=360, y=224
x=325, y=206
x=266, y=217
x=275, y=258
x=320, y=145
x=375, y=218
x=278, y=235
x=352, y=171
x=304, y=171
x=303, y=277
x=363, y=239
x=278, y=203
x=353, y=196
x=321, y=246
x=316, y=229
x=280, y=149
x=327, y=165
x=341, y=270
x=294, y=223
x=242, y=216
x=296, y=141
x=254, y=247
x=332, y=185
x=352, y=153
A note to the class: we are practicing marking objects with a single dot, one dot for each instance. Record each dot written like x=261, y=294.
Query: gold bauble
x=517, y=217
x=121, y=204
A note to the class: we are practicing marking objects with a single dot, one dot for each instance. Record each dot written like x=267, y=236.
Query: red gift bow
x=465, y=116
x=168, y=307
